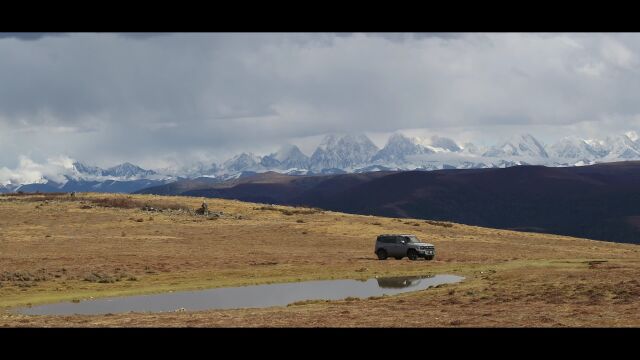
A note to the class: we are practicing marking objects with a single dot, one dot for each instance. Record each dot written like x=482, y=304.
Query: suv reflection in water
x=400, y=282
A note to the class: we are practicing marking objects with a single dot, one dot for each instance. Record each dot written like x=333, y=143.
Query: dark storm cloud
x=30, y=36
x=140, y=96
x=27, y=36
x=142, y=35
x=402, y=37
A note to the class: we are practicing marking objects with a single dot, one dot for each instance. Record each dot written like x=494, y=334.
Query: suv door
x=400, y=248
x=388, y=244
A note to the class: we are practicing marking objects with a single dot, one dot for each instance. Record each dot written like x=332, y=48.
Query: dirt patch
x=101, y=278
x=291, y=211
x=439, y=223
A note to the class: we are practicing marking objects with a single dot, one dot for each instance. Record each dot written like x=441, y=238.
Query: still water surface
x=255, y=296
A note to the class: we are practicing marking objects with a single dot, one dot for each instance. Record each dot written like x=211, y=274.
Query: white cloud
x=105, y=99
x=618, y=54
x=593, y=69
x=29, y=171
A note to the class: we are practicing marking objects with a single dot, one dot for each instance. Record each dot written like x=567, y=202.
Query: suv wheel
x=382, y=254
x=412, y=254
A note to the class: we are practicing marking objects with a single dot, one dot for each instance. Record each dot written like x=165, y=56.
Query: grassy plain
x=59, y=248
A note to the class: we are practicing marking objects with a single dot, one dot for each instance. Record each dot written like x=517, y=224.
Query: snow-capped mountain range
x=123, y=171
x=357, y=153
x=344, y=153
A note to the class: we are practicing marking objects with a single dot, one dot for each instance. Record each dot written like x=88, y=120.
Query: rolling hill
x=58, y=248
x=598, y=202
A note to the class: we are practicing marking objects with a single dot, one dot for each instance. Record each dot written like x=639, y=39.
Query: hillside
x=597, y=202
x=57, y=247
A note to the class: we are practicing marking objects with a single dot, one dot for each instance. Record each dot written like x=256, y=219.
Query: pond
x=254, y=296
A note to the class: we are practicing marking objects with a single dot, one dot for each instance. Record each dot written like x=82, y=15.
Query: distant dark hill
x=106, y=186
x=109, y=186
x=555, y=200
x=268, y=187
x=599, y=202
x=282, y=189
x=38, y=188
x=178, y=187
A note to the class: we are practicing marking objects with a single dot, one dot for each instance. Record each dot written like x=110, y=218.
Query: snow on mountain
x=373, y=168
x=7, y=188
x=574, y=149
x=287, y=157
x=190, y=170
x=213, y=168
x=598, y=146
x=621, y=147
x=612, y=148
x=397, y=149
x=127, y=171
x=242, y=162
x=336, y=154
x=122, y=171
x=298, y=172
x=633, y=136
x=270, y=161
x=472, y=149
x=523, y=145
x=438, y=144
x=472, y=165
x=343, y=151
x=83, y=169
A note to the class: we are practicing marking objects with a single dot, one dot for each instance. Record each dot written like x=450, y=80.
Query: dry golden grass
x=75, y=248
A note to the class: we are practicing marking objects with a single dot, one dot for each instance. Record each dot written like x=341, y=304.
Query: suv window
x=411, y=239
x=386, y=239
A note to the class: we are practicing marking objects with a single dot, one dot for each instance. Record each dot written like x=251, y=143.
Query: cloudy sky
x=161, y=99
